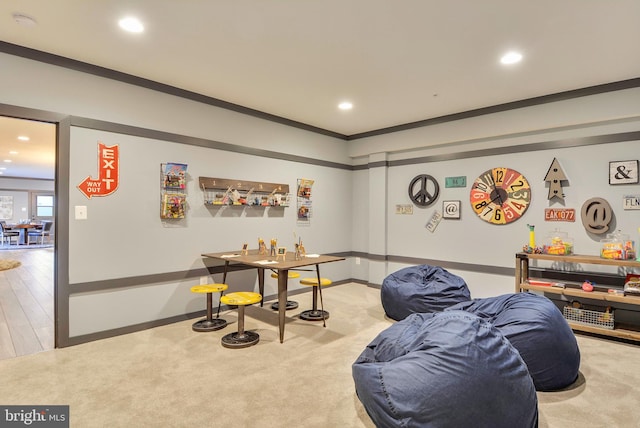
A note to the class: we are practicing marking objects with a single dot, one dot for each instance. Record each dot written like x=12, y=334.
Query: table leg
x=283, y=275
x=224, y=275
x=324, y=322
x=261, y=284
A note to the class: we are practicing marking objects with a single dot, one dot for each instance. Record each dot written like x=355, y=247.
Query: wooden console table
x=573, y=291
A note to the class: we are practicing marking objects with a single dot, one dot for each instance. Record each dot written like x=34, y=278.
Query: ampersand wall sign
x=424, y=190
x=623, y=172
x=596, y=215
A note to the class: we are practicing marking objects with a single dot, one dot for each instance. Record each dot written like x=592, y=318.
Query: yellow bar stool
x=210, y=323
x=290, y=303
x=241, y=338
x=315, y=314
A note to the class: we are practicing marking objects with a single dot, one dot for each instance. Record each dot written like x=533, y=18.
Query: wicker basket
x=588, y=317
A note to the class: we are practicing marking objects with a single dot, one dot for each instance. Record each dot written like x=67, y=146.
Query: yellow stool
x=290, y=303
x=315, y=314
x=210, y=323
x=241, y=339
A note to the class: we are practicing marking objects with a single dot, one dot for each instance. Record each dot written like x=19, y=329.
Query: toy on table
x=262, y=247
x=300, y=252
x=272, y=250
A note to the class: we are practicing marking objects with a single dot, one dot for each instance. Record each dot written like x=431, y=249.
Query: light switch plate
x=81, y=212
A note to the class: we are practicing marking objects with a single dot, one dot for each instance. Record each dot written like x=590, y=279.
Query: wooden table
x=23, y=229
x=262, y=262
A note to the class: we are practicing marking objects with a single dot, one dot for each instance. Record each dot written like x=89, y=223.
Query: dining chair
x=7, y=234
x=40, y=233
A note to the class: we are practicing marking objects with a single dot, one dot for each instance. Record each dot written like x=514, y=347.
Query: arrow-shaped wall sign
x=555, y=176
x=108, y=172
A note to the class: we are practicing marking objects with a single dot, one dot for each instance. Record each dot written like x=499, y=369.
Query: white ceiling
x=396, y=61
x=29, y=159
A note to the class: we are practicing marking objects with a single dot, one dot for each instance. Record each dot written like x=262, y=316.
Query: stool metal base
x=311, y=315
x=237, y=340
x=209, y=325
x=290, y=305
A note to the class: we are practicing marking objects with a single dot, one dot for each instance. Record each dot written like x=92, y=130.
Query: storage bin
x=601, y=319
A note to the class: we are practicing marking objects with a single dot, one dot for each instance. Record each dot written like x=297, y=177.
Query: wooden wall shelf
x=220, y=191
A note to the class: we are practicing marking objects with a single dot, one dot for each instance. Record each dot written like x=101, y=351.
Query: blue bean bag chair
x=536, y=328
x=421, y=289
x=446, y=369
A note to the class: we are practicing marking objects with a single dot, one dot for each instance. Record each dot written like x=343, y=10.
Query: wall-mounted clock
x=500, y=195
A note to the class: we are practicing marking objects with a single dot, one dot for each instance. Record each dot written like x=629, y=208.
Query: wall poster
x=6, y=207
x=304, y=200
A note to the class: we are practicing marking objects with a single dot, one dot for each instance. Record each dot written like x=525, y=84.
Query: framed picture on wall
x=451, y=209
x=6, y=207
x=623, y=172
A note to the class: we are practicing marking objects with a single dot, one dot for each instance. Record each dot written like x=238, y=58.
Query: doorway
x=27, y=195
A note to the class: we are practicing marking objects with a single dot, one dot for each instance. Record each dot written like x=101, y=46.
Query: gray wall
x=584, y=134
x=123, y=268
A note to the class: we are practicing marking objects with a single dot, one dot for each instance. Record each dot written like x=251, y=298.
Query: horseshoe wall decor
x=423, y=190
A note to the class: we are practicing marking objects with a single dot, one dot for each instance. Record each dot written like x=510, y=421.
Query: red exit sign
x=559, y=214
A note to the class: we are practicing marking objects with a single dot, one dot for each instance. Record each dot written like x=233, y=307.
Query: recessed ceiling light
x=24, y=20
x=345, y=105
x=13, y=152
x=2, y=168
x=23, y=138
x=7, y=160
x=131, y=24
x=511, y=58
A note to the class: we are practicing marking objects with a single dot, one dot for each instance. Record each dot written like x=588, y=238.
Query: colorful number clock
x=500, y=195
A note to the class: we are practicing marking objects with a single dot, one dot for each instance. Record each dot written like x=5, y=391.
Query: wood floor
x=26, y=303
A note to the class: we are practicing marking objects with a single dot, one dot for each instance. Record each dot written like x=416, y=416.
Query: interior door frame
x=61, y=212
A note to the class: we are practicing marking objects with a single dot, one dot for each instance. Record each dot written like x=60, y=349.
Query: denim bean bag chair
x=421, y=289
x=536, y=328
x=446, y=369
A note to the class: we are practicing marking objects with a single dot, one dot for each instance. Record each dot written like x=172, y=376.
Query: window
x=44, y=206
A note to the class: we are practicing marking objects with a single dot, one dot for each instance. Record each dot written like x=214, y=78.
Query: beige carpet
x=173, y=377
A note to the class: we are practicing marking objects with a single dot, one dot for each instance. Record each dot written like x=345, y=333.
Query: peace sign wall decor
x=423, y=190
